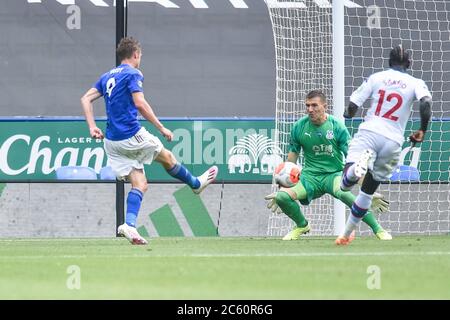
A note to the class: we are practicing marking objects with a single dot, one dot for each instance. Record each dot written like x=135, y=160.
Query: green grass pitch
x=225, y=268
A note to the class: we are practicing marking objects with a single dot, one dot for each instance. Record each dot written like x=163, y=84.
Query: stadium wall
x=216, y=60
x=47, y=210
x=88, y=210
x=201, y=58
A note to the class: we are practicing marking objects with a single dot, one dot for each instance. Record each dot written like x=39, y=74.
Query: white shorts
x=134, y=152
x=386, y=153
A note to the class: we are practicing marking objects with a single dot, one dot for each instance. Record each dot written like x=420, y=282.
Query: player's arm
x=292, y=157
x=293, y=154
x=271, y=198
x=425, y=116
x=147, y=112
x=294, y=149
x=295, y=145
x=86, y=102
x=350, y=111
x=343, y=138
x=358, y=97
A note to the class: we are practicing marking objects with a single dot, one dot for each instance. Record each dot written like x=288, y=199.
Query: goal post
x=338, y=94
x=334, y=46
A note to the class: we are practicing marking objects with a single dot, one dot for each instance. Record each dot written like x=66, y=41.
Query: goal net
x=419, y=193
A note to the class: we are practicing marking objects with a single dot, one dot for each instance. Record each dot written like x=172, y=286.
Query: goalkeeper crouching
x=324, y=141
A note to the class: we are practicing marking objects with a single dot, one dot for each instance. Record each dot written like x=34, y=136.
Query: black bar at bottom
x=120, y=204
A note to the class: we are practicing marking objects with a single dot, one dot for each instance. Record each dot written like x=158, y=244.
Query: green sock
x=291, y=209
x=370, y=220
x=348, y=198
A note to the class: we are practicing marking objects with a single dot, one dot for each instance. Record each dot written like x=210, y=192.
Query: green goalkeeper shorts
x=312, y=187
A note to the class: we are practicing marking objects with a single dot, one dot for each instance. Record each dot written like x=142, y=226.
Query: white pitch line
x=58, y=239
x=326, y=254
x=236, y=255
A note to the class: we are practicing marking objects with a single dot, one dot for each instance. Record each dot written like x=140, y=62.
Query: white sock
x=364, y=200
x=350, y=178
x=351, y=173
x=362, y=203
x=352, y=223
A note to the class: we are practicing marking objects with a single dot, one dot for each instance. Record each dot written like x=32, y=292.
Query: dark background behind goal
x=217, y=61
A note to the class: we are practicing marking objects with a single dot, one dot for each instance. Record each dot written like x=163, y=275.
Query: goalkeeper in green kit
x=324, y=141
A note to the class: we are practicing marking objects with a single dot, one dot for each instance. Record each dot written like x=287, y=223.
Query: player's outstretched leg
x=138, y=188
x=349, y=198
x=180, y=172
x=206, y=179
x=358, y=211
x=291, y=208
x=355, y=171
x=343, y=241
x=360, y=207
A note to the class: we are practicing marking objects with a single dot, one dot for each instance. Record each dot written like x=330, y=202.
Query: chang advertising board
x=243, y=149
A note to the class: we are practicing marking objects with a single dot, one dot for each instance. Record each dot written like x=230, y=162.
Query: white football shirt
x=393, y=93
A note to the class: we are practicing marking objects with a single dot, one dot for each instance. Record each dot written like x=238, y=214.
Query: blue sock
x=181, y=173
x=133, y=205
x=358, y=212
x=361, y=204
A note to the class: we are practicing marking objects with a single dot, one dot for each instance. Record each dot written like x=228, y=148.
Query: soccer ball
x=287, y=174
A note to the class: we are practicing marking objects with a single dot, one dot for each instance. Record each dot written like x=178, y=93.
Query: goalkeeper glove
x=272, y=203
x=379, y=204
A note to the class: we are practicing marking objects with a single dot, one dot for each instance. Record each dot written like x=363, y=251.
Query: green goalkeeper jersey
x=324, y=147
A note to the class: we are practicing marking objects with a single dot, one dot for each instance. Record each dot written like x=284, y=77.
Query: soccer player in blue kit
x=127, y=144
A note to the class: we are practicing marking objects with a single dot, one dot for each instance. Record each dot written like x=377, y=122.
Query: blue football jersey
x=117, y=87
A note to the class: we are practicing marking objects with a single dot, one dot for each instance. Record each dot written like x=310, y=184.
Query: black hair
x=399, y=57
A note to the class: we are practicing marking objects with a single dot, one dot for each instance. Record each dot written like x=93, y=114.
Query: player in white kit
x=375, y=149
